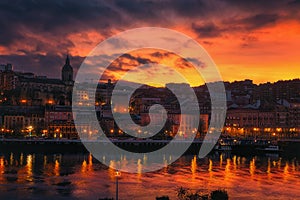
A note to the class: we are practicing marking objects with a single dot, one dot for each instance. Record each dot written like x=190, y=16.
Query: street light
x=30, y=128
x=117, y=175
x=56, y=133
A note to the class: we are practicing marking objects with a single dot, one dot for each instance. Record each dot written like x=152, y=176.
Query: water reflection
x=11, y=159
x=111, y=171
x=2, y=168
x=29, y=168
x=194, y=165
x=269, y=167
x=82, y=177
x=21, y=159
x=234, y=162
x=56, y=168
x=252, y=167
x=221, y=160
x=139, y=169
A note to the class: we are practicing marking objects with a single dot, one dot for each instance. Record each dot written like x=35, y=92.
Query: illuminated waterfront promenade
x=146, y=145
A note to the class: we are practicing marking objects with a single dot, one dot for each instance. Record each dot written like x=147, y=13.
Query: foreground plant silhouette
x=187, y=194
x=219, y=195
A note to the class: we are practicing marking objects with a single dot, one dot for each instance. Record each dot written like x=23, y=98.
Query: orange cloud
x=154, y=66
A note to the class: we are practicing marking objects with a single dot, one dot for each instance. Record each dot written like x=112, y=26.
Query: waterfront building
x=62, y=129
x=57, y=112
x=28, y=89
x=279, y=123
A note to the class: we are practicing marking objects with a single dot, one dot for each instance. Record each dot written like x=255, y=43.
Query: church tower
x=67, y=72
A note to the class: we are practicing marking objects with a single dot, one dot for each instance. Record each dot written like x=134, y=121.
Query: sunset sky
x=258, y=40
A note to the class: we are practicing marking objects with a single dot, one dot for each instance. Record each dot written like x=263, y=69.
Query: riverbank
x=141, y=146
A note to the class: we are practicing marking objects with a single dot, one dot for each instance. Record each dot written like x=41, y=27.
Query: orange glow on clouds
x=84, y=42
x=266, y=54
x=162, y=67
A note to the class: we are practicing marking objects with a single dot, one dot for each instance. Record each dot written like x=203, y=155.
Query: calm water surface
x=79, y=176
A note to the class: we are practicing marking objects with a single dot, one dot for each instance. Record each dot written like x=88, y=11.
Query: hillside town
x=38, y=106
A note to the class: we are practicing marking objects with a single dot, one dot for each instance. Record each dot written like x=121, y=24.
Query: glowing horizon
x=260, y=43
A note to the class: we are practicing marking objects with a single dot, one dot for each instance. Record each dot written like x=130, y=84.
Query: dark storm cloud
x=54, y=17
x=259, y=20
x=28, y=23
x=139, y=9
x=49, y=64
x=159, y=11
x=128, y=61
x=249, y=23
x=295, y=2
x=207, y=30
x=190, y=8
x=62, y=17
x=24, y=22
x=8, y=34
x=139, y=60
x=262, y=5
x=158, y=54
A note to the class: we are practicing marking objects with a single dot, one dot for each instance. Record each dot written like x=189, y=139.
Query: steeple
x=67, y=60
x=67, y=72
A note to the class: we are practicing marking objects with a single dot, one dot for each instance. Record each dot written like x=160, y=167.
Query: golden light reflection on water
x=21, y=159
x=234, y=162
x=2, y=169
x=145, y=159
x=279, y=163
x=139, y=169
x=11, y=159
x=239, y=161
x=29, y=167
x=210, y=168
x=210, y=165
x=56, y=169
x=252, y=175
x=83, y=166
x=194, y=167
x=165, y=161
x=111, y=171
x=221, y=160
x=228, y=175
x=228, y=164
x=87, y=165
x=45, y=161
x=269, y=168
x=252, y=167
x=90, y=164
x=286, y=171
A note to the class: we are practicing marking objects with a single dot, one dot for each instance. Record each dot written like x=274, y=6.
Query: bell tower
x=67, y=72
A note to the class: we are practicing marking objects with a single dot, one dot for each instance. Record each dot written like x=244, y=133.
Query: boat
x=271, y=148
x=223, y=147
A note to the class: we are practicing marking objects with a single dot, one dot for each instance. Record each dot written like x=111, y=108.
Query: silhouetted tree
x=219, y=195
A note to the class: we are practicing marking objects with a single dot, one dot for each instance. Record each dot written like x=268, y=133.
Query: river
x=80, y=176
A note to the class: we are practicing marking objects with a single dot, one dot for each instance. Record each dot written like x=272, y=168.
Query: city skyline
x=260, y=43
x=149, y=99
x=105, y=80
